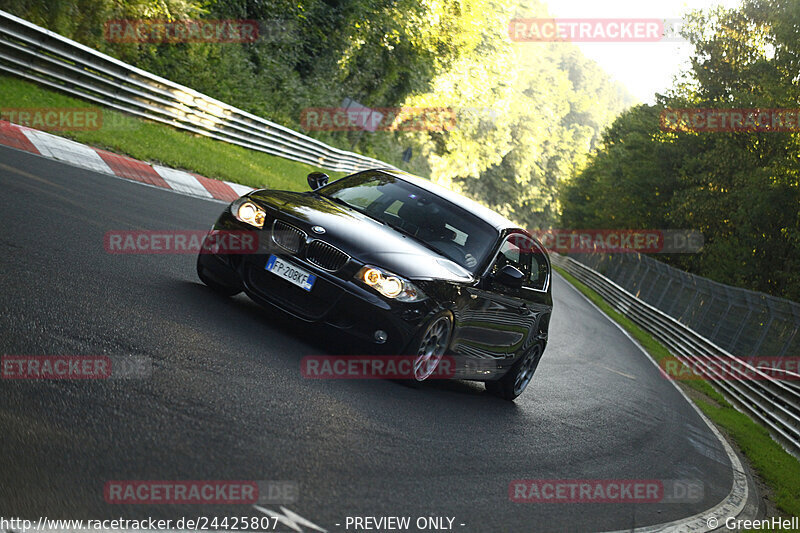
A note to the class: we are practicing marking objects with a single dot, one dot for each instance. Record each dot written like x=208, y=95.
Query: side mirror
x=510, y=276
x=317, y=180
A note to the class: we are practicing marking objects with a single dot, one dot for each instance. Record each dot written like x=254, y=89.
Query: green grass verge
x=158, y=143
x=777, y=468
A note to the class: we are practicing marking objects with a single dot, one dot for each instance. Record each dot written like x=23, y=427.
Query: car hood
x=362, y=237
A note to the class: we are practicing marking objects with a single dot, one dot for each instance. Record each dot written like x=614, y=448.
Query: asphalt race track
x=226, y=399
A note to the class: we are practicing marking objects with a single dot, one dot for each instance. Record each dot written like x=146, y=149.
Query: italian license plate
x=291, y=273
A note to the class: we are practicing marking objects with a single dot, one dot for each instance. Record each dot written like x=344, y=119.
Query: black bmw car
x=402, y=263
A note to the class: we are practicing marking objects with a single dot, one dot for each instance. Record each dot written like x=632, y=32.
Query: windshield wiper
x=400, y=229
x=395, y=227
x=423, y=243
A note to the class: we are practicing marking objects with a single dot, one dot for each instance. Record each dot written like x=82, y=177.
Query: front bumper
x=336, y=298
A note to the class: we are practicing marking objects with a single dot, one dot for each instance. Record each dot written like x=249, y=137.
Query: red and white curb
x=81, y=155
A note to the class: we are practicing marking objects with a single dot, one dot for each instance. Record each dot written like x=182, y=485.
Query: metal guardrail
x=773, y=403
x=49, y=59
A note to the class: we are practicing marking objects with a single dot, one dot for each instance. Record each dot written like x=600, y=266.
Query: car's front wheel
x=431, y=345
x=517, y=379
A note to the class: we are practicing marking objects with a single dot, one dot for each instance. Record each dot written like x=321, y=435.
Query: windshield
x=439, y=224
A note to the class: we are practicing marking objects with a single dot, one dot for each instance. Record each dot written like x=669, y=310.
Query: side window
x=509, y=254
x=525, y=254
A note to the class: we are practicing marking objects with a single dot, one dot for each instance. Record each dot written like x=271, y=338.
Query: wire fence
x=742, y=322
x=772, y=401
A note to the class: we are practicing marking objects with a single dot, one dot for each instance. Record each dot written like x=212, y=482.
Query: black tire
x=431, y=344
x=517, y=379
x=219, y=288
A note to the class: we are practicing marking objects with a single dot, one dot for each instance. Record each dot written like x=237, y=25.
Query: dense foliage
x=529, y=115
x=526, y=113
x=739, y=188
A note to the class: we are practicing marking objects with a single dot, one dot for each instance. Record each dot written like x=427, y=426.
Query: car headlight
x=248, y=212
x=390, y=285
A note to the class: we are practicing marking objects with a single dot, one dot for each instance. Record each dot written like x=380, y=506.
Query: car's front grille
x=326, y=256
x=287, y=236
x=312, y=305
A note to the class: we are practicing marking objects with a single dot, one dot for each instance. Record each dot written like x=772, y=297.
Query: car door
x=500, y=321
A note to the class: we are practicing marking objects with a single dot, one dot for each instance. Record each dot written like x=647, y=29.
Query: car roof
x=484, y=213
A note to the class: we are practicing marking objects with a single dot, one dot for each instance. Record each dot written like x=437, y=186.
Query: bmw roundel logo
x=318, y=229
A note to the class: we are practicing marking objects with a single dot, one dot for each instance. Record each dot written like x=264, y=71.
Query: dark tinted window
x=442, y=225
x=524, y=253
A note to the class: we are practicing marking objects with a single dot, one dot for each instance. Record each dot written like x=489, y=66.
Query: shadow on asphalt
x=323, y=339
